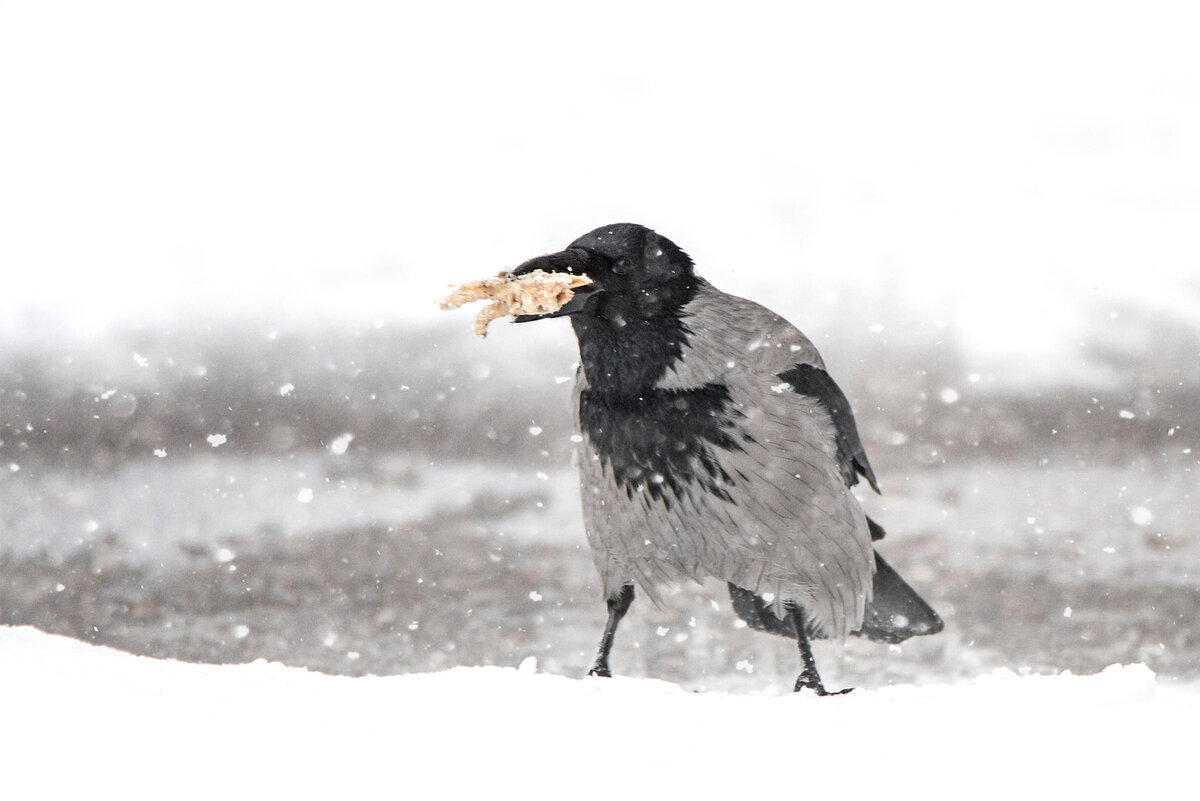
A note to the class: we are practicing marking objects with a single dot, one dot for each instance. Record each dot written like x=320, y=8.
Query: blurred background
x=233, y=424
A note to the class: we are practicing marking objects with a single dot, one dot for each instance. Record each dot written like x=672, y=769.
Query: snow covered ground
x=84, y=720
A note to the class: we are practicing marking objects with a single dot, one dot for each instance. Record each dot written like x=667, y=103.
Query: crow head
x=635, y=273
x=629, y=320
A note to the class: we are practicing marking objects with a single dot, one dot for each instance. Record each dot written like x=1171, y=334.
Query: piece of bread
x=537, y=292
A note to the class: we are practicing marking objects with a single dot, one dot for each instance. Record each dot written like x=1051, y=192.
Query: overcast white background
x=1004, y=169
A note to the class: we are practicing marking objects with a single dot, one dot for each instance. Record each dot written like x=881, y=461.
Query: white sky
x=1000, y=167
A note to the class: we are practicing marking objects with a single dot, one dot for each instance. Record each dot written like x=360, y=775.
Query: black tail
x=895, y=613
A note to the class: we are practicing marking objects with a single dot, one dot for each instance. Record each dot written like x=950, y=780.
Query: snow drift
x=82, y=719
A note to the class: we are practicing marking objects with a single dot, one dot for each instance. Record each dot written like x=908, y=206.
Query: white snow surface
x=80, y=720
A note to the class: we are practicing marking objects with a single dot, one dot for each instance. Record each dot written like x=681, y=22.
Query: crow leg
x=617, y=607
x=808, y=673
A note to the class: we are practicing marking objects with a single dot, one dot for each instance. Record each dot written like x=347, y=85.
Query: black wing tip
x=869, y=475
x=751, y=609
x=861, y=467
x=877, y=531
x=896, y=611
x=895, y=629
x=758, y=615
x=815, y=382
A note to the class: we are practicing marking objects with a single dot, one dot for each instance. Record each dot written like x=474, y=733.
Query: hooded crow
x=715, y=444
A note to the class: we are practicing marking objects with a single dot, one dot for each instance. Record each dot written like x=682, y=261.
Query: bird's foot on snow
x=601, y=670
x=812, y=682
x=819, y=689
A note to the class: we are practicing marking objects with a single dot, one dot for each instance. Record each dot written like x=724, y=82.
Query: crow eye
x=622, y=266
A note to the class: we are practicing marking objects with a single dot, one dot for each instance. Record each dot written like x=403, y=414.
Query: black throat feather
x=653, y=441
x=630, y=339
x=663, y=442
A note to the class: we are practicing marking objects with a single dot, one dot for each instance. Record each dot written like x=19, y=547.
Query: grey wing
x=735, y=336
x=812, y=381
x=806, y=454
x=805, y=537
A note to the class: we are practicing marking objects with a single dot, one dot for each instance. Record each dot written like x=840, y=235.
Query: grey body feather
x=786, y=522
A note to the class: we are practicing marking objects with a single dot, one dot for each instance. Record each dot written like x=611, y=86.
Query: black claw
x=817, y=687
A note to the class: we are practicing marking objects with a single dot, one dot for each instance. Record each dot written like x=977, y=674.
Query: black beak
x=572, y=261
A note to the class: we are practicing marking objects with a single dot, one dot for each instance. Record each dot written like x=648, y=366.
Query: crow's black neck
x=628, y=342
